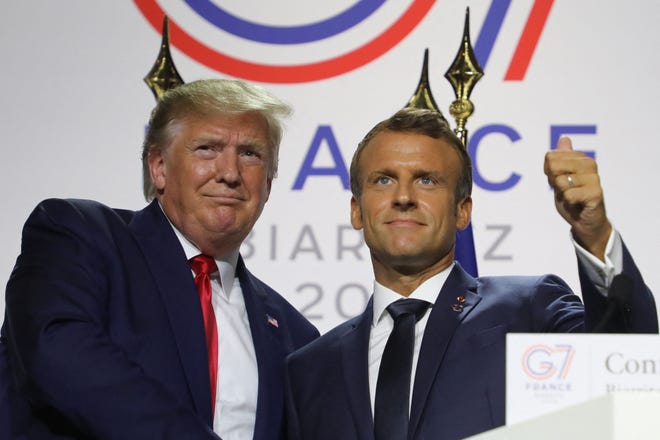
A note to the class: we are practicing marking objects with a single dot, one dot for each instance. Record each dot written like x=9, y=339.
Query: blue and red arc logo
x=527, y=42
x=298, y=73
x=349, y=58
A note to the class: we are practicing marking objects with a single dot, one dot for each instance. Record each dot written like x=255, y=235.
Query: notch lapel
x=171, y=273
x=441, y=326
x=271, y=346
x=355, y=358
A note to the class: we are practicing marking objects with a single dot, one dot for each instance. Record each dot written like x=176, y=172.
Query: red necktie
x=204, y=266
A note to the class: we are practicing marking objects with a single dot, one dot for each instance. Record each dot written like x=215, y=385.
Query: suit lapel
x=167, y=263
x=355, y=348
x=271, y=347
x=446, y=314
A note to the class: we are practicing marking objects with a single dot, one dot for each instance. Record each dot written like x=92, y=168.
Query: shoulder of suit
x=83, y=205
x=330, y=340
x=85, y=209
x=520, y=283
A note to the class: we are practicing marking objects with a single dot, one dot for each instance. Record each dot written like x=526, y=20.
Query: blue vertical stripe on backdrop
x=465, y=253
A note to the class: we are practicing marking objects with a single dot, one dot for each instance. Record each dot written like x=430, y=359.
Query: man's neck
x=404, y=280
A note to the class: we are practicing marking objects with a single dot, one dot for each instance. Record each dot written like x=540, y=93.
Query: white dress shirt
x=383, y=323
x=238, y=384
x=601, y=274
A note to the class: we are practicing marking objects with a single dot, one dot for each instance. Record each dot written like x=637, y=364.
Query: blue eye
x=426, y=180
x=383, y=180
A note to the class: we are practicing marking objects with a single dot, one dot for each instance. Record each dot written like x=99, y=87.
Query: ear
x=463, y=213
x=269, y=185
x=157, y=168
x=356, y=214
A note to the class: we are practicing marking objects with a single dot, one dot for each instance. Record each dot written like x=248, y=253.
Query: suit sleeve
x=292, y=428
x=63, y=357
x=638, y=316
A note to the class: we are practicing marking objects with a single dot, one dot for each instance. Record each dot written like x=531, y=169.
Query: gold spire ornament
x=463, y=75
x=423, y=98
x=163, y=75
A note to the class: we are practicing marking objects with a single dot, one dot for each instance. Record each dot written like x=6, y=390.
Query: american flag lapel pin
x=272, y=321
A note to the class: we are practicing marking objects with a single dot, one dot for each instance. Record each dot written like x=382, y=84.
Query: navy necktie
x=393, y=386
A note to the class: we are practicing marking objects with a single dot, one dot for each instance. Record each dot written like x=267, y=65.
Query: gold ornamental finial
x=463, y=75
x=163, y=75
x=423, y=98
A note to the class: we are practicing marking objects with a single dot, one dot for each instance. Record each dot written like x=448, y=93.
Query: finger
x=585, y=186
x=564, y=144
x=584, y=195
x=561, y=183
x=568, y=162
x=571, y=181
x=564, y=183
x=555, y=157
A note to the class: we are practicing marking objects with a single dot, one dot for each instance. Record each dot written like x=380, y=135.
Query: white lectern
x=617, y=416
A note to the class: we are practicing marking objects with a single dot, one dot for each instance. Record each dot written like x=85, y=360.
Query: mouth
x=225, y=198
x=404, y=222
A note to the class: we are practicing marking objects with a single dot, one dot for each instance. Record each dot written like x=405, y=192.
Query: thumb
x=564, y=144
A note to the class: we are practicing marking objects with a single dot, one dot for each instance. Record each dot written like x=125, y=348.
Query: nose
x=404, y=197
x=227, y=168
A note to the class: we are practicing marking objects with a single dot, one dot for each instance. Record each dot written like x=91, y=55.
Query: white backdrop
x=75, y=107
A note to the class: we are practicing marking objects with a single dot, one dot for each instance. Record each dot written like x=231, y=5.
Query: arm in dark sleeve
x=63, y=358
x=292, y=425
x=638, y=316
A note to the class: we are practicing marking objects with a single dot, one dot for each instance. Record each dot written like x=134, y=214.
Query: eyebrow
x=435, y=174
x=416, y=173
x=382, y=171
x=217, y=140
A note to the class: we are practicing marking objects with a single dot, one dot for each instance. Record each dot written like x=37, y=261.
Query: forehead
x=245, y=127
x=390, y=149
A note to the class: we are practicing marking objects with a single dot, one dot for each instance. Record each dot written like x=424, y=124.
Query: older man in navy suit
x=426, y=358
x=147, y=324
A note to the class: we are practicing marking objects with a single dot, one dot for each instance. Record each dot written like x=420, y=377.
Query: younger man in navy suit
x=425, y=360
x=147, y=324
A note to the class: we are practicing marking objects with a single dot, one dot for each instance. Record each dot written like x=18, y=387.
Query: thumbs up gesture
x=578, y=195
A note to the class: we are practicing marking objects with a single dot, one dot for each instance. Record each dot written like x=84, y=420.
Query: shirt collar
x=226, y=263
x=427, y=291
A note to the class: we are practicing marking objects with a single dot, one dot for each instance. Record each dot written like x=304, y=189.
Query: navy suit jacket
x=460, y=378
x=104, y=331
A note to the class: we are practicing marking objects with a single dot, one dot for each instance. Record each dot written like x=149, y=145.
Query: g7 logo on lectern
x=204, y=19
x=542, y=362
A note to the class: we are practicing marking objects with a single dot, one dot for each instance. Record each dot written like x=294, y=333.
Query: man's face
x=407, y=208
x=212, y=179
